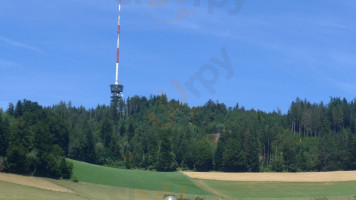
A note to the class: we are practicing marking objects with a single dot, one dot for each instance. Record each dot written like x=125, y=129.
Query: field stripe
x=309, y=177
x=32, y=182
x=206, y=187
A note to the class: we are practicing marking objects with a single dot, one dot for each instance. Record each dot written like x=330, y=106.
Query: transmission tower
x=116, y=88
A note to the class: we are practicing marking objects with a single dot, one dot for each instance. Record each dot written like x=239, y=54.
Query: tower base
x=116, y=92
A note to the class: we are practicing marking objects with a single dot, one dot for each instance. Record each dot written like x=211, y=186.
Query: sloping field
x=20, y=192
x=121, y=184
x=276, y=177
x=38, y=189
x=144, y=180
x=32, y=182
x=334, y=185
x=234, y=189
x=180, y=183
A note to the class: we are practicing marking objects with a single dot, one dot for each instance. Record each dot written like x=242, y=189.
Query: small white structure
x=170, y=198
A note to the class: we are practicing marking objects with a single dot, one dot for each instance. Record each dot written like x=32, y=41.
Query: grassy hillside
x=104, y=183
x=22, y=192
x=77, y=191
x=179, y=183
x=282, y=190
x=135, y=179
x=88, y=191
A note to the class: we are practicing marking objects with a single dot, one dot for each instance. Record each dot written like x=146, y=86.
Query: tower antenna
x=116, y=88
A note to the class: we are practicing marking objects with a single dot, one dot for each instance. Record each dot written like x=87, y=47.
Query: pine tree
x=10, y=110
x=115, y=148
x=16, y=160
x=352, y=155
x=234, y=158
x=3, y=138
x=51, y=165
x=65, y=168
x=59, y=131
x=89, y=147
x=152, y=151
x=106, y=131
x=218, y=157
x=122, y=129
x=131, y=131
x=250, y=147
x=42, y=139
x=278, y=162
x=203, y=156
x=166, y=158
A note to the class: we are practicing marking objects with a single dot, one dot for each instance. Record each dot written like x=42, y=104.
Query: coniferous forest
x=166, y=135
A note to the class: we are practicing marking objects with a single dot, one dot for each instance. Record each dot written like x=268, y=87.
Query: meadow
x=105, y=183
x=143, y=180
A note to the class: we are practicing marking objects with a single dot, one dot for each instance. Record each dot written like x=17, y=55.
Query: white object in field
x=170, y=198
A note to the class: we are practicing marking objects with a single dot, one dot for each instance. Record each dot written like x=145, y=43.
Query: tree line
x=34, y=141
x=165, y=135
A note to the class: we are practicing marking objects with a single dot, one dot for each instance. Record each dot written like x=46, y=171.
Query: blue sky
x=278, y=50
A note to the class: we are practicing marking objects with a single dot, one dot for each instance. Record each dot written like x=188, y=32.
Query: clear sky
x=261, y=54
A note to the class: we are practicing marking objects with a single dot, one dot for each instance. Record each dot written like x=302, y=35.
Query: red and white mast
x=116, y=88
x=118, y=47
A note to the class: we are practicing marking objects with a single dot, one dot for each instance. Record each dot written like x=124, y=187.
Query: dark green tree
x=101, y=153
x=52, y=166
x=203, y=156
x=278, y=162
x=65, y=168
x=4, y=131
x=218, y=156
x=131, y=131
x=18, y=109
x=11, y=109
x=42, y=139
x=16, y=160
x=106, y=131
x=59, y=131
x=115, y=148
x=89, y=147
x=152, y=151
x=351, y=156
x=234, y=158
x=122, y=129
x=166, y=159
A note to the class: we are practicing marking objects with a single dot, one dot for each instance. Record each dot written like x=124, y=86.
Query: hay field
x=309, y=177
x=34, y=182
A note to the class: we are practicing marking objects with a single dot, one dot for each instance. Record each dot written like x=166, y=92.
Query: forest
x=156, y=133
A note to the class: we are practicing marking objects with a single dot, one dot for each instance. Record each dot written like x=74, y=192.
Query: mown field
x=142, y=180
x=104, y=183
x=343, y=190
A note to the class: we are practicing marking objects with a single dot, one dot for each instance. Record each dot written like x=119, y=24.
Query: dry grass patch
x=276, y=177
x=32, y=182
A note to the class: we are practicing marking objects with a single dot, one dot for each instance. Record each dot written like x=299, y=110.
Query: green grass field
x=283, y=190
x=80, y=191
x=104, y=183
x=135, y=179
